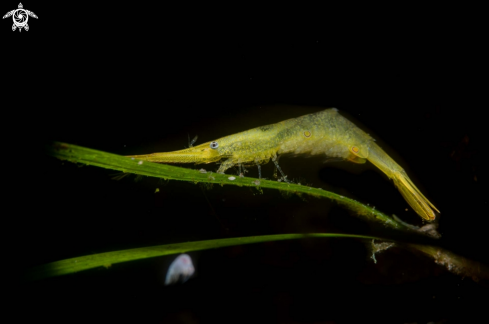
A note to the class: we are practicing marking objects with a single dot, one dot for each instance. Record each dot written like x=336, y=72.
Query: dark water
x=130, y=88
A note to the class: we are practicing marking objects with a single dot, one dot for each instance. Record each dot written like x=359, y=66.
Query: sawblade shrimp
x=323, y=133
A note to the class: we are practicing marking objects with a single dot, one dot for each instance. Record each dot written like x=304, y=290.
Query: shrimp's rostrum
x=325, y=132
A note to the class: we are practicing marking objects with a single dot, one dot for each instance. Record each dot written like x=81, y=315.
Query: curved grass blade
x=87, y=262
x=78, y=154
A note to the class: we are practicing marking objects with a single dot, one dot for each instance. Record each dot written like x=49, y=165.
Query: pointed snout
x=198, y=154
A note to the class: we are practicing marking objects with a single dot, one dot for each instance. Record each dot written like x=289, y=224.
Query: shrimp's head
x=204, y=153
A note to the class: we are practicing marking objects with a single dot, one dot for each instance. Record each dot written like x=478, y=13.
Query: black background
x=133, y=78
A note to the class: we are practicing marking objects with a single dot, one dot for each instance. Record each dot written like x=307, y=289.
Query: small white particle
x=140, y=162
x=180, y=270
x=132, y=158
x=231, y=178
x=202, y=171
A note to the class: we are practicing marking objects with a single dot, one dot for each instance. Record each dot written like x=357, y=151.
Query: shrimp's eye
x=214, y=145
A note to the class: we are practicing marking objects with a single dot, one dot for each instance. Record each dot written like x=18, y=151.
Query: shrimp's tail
x=409, y=191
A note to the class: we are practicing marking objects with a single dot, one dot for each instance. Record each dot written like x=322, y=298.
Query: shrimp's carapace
x=325, y=132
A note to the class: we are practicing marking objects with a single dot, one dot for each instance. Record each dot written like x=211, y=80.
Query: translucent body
x=180, y=270
x=325, y=132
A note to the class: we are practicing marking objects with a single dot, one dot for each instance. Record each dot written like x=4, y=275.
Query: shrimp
x=325, y=132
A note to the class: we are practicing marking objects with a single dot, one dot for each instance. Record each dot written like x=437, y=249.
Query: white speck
x=140, y=162
x=132, y=158
x=202, y=171
x=232, y=178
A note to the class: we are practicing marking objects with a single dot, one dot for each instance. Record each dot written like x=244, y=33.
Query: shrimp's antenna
x=192, y=142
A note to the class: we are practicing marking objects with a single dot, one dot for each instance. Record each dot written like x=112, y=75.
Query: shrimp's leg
x=241, y=174
x=225, y=165
x=275, y=161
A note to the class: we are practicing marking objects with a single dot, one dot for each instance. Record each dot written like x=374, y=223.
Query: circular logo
x=20, y=17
